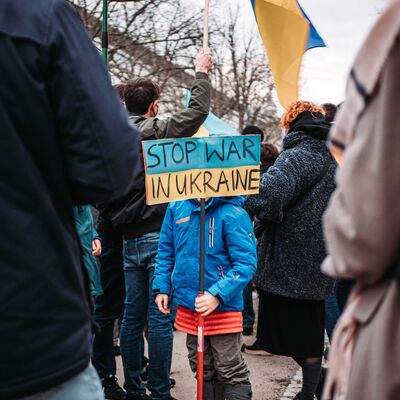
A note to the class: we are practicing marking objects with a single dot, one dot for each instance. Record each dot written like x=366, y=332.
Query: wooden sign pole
x=206, y=18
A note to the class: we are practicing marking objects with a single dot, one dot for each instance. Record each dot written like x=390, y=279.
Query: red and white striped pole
x=200, y=320
x=200, y=325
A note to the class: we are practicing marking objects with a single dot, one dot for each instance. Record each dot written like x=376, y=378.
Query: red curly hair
x=296, y=109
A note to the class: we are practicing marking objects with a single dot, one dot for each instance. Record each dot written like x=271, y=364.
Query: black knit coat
x=294, y=194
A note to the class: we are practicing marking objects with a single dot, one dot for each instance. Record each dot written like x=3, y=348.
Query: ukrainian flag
x=213, y=126
x=287, y=33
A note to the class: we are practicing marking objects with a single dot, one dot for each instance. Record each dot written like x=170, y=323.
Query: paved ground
x=272, y=377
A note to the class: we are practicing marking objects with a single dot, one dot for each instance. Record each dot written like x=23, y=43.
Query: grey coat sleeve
x=97, y=142
x=283, y=183
x=187, y=122
x=362, y=223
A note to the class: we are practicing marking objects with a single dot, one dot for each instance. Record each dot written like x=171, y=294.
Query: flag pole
x=104, y=31
x=200, y=325
x=206, y=19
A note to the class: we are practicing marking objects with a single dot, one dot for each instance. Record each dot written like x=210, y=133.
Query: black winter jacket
x=130, y=216
x=294, y=194
x=64, y=140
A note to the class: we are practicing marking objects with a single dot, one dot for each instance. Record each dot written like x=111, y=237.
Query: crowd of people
x=309, y=244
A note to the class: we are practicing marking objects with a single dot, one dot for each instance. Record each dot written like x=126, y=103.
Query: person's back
x=57, y=115
x=294, y=194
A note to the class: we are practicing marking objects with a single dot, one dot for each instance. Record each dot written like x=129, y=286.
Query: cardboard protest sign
x=187, y=168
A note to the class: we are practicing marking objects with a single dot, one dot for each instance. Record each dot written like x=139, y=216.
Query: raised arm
x=187, y=122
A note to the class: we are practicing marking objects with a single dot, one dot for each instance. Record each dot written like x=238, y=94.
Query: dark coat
x=294, y=194
x=130, y=216
x=64, y=140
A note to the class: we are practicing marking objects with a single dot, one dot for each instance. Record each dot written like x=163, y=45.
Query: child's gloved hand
x=206, y=304
x=162, y=303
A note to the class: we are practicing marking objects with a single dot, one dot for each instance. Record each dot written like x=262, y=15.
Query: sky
x=343, y=24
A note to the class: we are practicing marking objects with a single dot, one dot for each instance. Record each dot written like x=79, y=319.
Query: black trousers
x=109, y=306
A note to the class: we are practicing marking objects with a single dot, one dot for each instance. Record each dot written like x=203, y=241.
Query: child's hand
x=96, y=247
x=162, y=303
x=206, y=304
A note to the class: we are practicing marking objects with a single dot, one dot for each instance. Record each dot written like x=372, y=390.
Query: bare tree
x=160, y=38
x=156, y=39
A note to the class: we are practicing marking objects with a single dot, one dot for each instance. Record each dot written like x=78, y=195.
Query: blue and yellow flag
x=213, y=126
x=287, y=33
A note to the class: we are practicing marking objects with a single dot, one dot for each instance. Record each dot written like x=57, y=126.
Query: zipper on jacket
x=211, y=233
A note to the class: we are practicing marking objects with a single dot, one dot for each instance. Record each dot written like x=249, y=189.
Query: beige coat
x=362, y=223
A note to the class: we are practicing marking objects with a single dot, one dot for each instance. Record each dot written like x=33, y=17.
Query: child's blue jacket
x=230, y=252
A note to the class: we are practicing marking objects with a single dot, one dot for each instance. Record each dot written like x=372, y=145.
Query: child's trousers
x=226, y=375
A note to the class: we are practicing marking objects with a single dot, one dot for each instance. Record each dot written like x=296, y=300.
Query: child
x=230, y=262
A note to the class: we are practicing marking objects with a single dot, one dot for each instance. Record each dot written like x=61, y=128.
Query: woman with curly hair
x=294, y=194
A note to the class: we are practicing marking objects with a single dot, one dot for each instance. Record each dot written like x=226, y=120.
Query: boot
x=238, y=392
x=112, y=391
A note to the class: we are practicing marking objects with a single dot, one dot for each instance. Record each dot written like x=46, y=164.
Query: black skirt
x=291, y=327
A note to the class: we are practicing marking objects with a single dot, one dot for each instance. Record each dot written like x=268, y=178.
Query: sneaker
x=256, y=350
x=172, y=382
x=112, y=391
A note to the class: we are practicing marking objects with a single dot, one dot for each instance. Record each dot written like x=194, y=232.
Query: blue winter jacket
x=230, y=252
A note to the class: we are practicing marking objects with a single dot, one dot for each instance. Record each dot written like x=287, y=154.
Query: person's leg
x=84, y=386
x=160, y=332
x=331, y=313
x=248, y=310
x=230, y=366
x=134, y=318
x=311, y=368
x=256, y=348
x=343, y=291
x=108, y=308
x=211, y=390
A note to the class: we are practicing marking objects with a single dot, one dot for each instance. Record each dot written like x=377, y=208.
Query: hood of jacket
x=214, y=202
x=312, y=124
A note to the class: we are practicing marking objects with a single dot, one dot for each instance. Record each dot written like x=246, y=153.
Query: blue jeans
x=248, y=308
x=84, y=386
x=109, y=306
x=332, y=313
x=140, y=309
